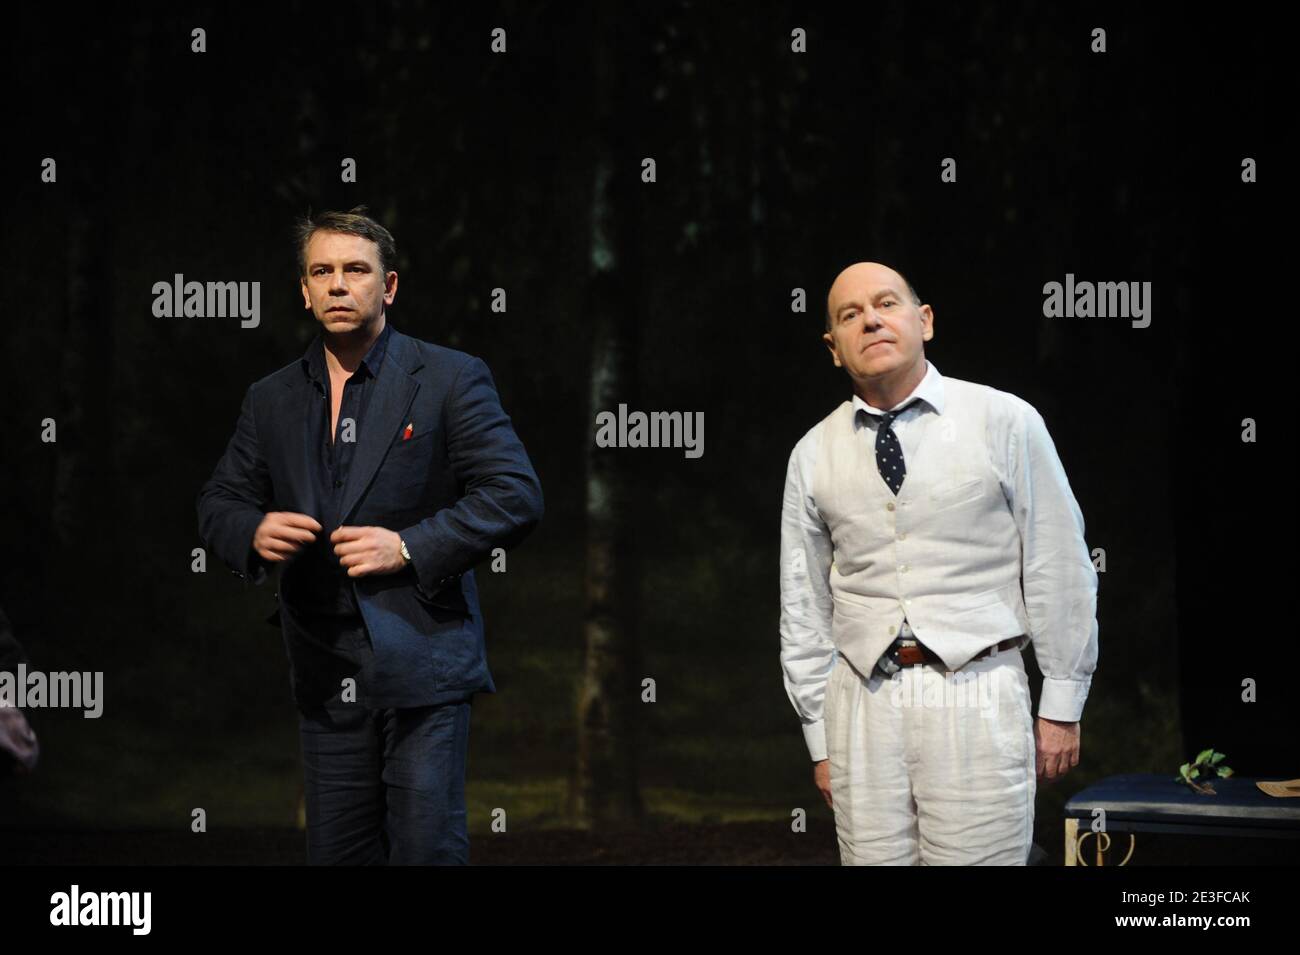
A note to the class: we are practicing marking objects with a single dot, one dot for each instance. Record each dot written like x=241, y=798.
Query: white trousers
x=931, y=767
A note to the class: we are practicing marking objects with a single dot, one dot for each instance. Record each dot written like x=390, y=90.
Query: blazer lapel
x=385, y=414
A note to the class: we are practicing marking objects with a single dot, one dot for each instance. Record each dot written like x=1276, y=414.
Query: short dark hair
x=353, y=222
x=910, y=291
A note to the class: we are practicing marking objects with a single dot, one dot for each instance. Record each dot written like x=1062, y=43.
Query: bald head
x=860, y=274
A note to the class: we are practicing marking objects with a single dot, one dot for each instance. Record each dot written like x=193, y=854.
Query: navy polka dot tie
x=889, y=453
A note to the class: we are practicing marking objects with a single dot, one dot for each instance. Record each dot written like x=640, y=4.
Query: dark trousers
x=382, y=785
x=386, y=786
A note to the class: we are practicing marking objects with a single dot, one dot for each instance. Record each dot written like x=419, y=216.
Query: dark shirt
x=324, y=586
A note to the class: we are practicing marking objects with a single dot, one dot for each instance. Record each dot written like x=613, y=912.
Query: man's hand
x=822, y=779
x=368, y=550
x=1058, y=748
x=18, y=740
x=283, y=533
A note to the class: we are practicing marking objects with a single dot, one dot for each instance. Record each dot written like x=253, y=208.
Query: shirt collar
x=930, y=390
x=313, y=362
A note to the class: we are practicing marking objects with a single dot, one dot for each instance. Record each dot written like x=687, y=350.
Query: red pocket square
x=408, y=431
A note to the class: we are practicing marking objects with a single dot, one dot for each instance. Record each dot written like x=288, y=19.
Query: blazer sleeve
x=502, y=498
x=234, y=500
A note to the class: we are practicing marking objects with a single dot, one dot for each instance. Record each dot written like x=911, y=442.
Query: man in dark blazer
x=378, y=469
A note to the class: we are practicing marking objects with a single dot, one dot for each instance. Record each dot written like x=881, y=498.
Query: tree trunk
x=605, y=789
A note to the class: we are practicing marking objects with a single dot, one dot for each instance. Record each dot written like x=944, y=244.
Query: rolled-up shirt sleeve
x=807, y=649
x=1059, y=580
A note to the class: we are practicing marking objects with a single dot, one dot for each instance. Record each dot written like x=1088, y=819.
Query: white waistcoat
x=945, y=552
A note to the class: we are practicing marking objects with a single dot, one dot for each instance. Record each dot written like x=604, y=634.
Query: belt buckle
x=888, y=663
x=904, y=643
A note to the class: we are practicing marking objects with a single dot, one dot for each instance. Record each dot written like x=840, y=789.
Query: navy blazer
x=459, y=487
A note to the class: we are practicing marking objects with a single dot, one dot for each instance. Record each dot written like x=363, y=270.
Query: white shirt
x=983, y=541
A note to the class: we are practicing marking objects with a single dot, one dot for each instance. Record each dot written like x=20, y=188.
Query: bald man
x=928, y=535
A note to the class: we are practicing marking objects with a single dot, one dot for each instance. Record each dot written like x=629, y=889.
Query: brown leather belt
x=914, y=656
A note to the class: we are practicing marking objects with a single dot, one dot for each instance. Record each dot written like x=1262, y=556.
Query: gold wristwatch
x=406, y=554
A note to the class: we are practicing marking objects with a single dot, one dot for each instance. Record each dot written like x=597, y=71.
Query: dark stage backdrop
x=522, y=171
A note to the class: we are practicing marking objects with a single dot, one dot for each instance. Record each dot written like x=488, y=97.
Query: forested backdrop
x=522, y=170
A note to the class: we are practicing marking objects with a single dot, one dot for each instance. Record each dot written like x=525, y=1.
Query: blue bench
x=1147, y=802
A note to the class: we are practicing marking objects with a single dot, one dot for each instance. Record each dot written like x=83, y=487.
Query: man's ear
x=927, y=323
x=306, y=299
x=830, y=345
x=390, y=288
